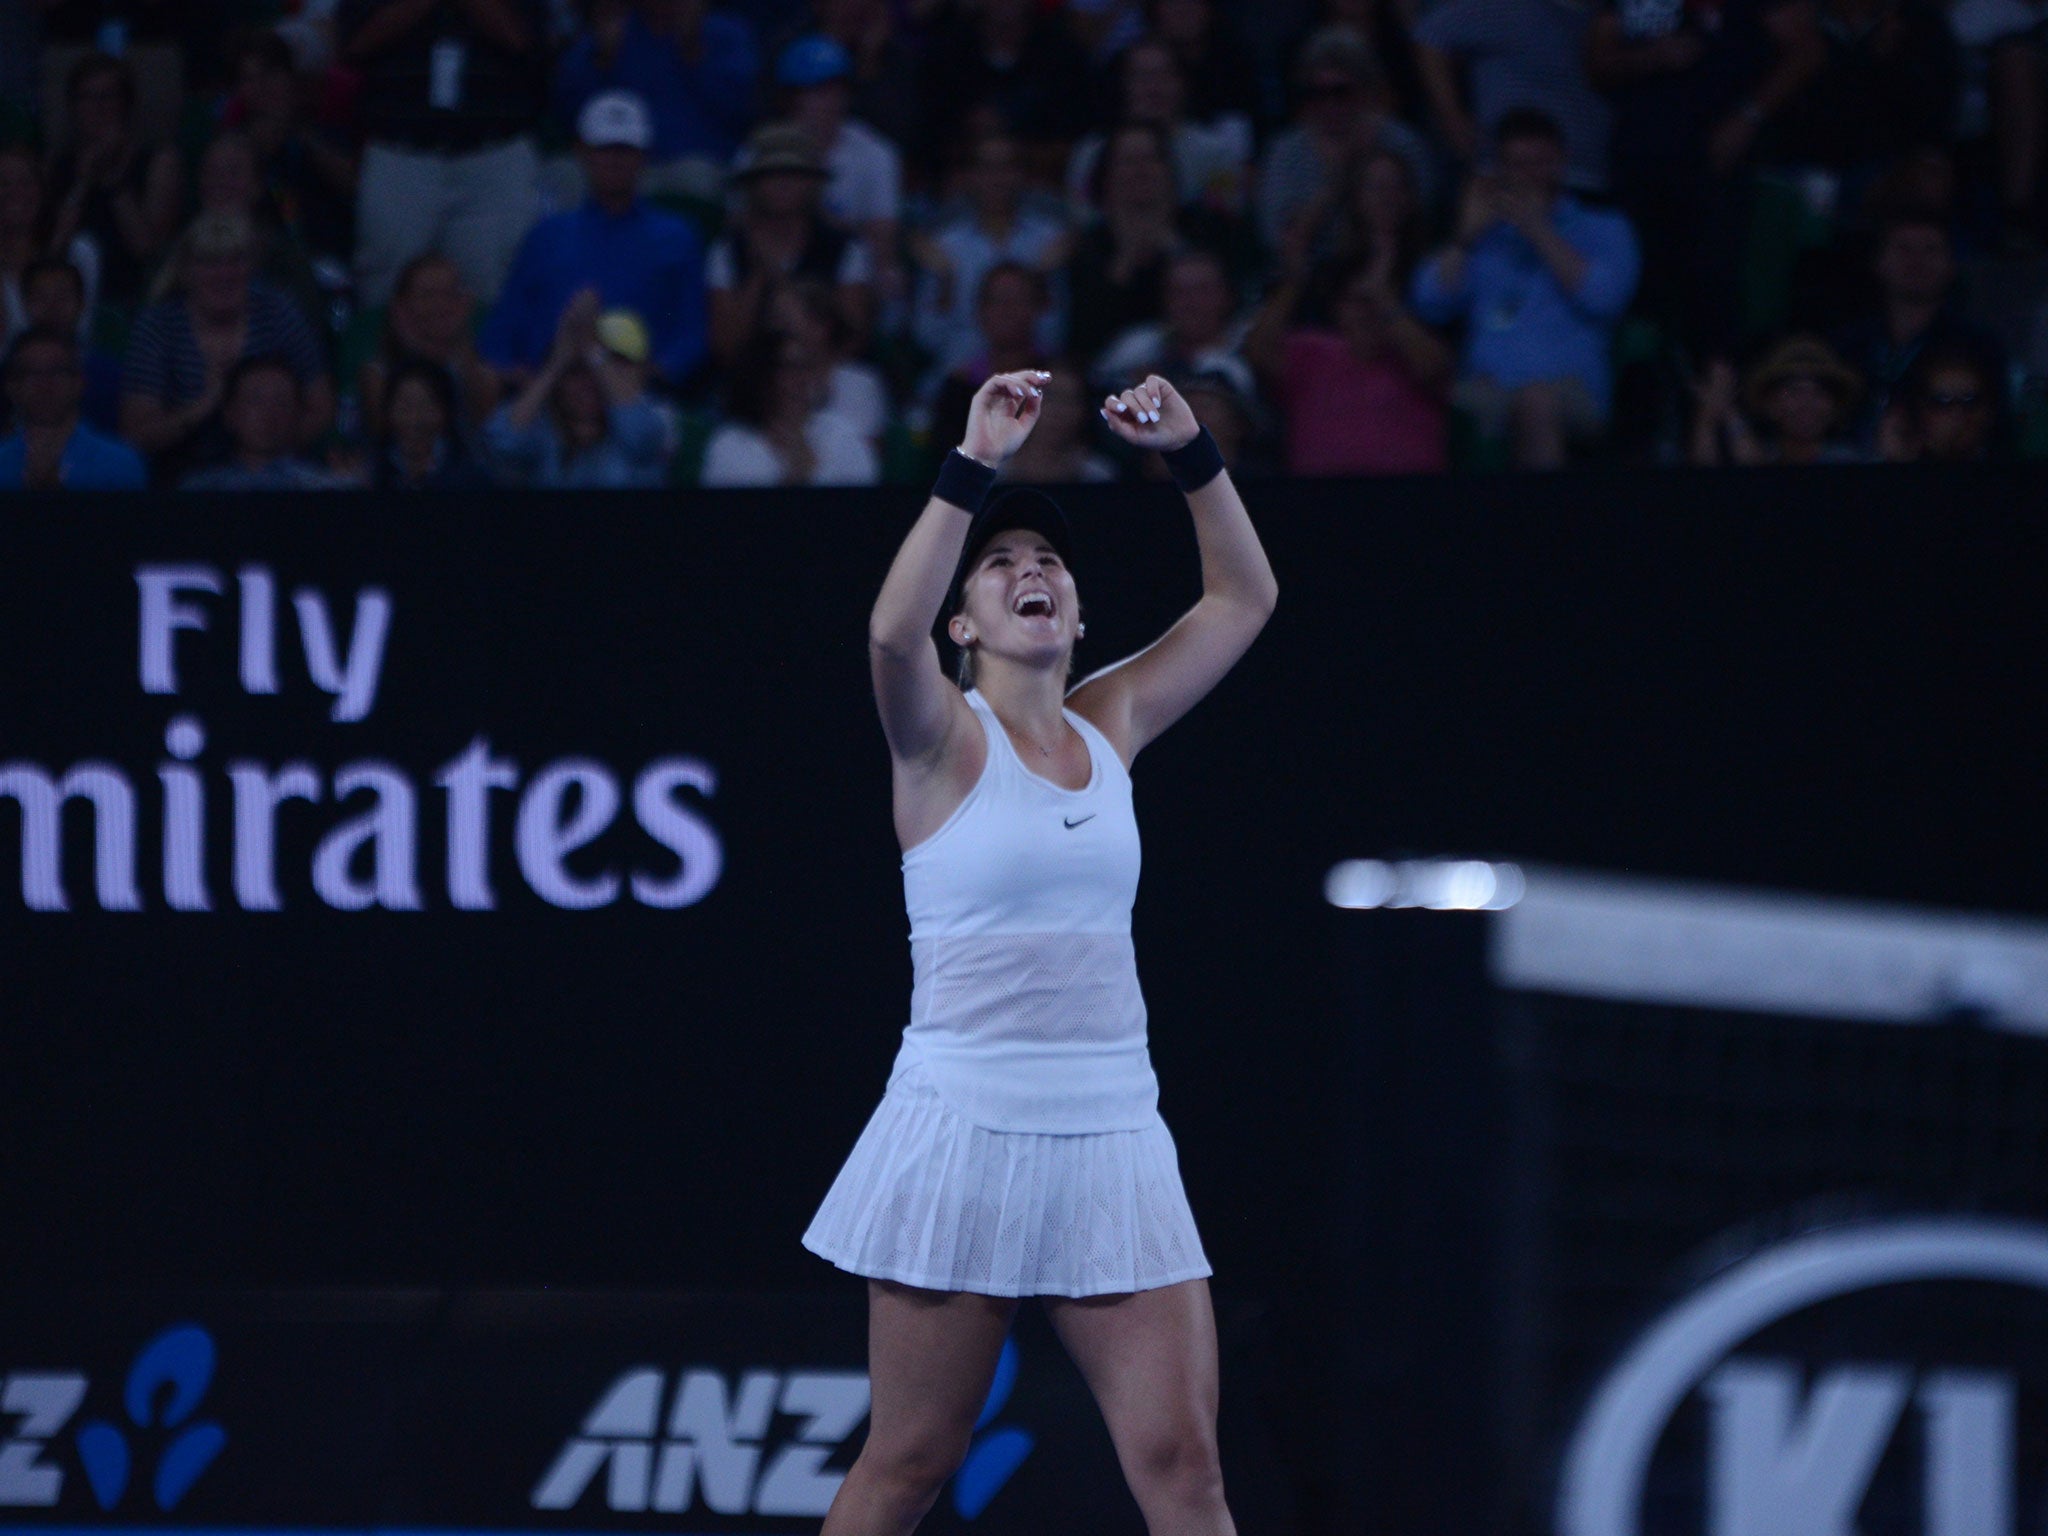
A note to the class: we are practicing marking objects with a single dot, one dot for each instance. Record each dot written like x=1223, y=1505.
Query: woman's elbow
x=1257, y=600
x=892, y=640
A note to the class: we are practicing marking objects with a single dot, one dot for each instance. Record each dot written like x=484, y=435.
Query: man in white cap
x=613, y=252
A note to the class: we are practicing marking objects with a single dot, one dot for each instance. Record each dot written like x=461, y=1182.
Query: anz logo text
x=719, y=1445
x=158, y=1442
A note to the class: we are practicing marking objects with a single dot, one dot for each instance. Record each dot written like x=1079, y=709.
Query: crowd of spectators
x=421, y=244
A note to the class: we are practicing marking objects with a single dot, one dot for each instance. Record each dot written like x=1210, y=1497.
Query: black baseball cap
x=1017, y=507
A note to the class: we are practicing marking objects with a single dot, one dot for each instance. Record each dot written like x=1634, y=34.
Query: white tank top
x=1026, y=1009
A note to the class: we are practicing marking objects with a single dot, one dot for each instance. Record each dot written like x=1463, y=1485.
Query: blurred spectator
x=1344, y=111
x=1540, y=280
x=781, y=432
x=1386, y=27
x=1198, y=332
x=1010, y=63
x=1371, y=214
x=23, y=239
x=886, y=77
x=864, y=188
x=584, y=420
x=1801, y=392
x=51, y=448
x=1693, y=83
x=212, y=313
x=451, y=90
x=228, y=181
x=262, y=407
x=109, y=185
x=805, y=308
x=1057, y=452
x=694, y=67
x=1946, y=412
x=1214, y=59
x=53, y=295
x=954, y=258
x=1008, y=338
x=629, y=254
x=1211, y=162
x=1116, y=276
x=2002, y=61
x=1915, y=313
x=419, y=445
x=1366, y=398
x=1887, y=86
x=1513, y=53
x=431, y=319
x=778, y=233
x=307, y=173
x=1229, y=412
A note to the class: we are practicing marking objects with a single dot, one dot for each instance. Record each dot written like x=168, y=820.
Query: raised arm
x=919, y=707
x=1133, y=701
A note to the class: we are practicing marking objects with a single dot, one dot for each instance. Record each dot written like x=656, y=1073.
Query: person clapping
x=585, y=420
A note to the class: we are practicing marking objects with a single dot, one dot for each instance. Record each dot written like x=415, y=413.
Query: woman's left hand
x=1153, y=415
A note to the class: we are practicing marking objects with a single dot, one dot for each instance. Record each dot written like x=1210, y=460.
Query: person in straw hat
x=779, y=232
x=1801, y=395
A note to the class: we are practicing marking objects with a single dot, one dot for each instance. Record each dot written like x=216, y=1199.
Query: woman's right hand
x=1001, y=416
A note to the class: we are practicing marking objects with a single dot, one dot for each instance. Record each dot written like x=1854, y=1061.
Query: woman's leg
x=931, y=1357
x=1150, y=1360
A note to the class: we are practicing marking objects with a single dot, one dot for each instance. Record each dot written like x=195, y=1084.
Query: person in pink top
x=1366, y=397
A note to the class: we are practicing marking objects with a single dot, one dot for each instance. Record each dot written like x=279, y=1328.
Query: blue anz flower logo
x=994, y=1457
x=180, y=1359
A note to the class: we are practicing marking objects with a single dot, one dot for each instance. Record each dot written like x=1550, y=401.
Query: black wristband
x=1194, y=464
x=963, y=482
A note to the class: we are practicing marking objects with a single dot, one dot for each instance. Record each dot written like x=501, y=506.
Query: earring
x=1079, y=630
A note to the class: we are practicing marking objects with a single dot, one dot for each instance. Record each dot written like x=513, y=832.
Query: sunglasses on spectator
x=1954, y=400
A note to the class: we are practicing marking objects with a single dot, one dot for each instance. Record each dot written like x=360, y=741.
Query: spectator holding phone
x=1540, y=280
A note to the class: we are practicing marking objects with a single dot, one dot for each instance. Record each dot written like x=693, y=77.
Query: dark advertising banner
x=532, y=1411
x=438, y=902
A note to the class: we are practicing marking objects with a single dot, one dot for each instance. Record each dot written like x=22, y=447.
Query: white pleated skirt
x=932, y=1200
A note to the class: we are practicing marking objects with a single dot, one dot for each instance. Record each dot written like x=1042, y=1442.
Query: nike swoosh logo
x=1073, y=824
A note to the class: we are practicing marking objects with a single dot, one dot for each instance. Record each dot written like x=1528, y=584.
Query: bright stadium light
x=1436, y=885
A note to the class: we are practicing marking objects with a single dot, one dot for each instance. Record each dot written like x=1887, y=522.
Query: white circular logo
x=1609, y=1458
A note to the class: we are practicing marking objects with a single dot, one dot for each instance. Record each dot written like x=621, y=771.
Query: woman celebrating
x=1018, y=1150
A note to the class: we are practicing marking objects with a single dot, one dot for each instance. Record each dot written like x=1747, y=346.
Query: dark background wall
x=1827, y=680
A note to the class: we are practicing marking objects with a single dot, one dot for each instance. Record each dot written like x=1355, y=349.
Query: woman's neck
x=1028, y=700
